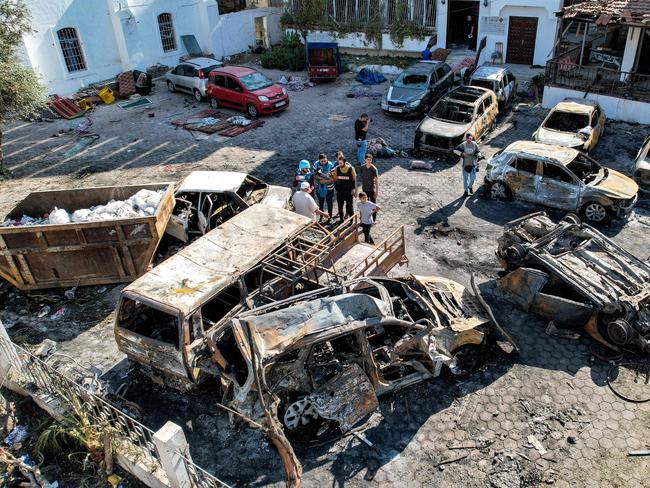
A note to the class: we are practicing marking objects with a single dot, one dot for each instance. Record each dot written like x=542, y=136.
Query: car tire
x=251, y=110
x=595, y=213
x=214, y=103
x=499, y=191
x=197, y=95
x=170, y=86
x=572, y=218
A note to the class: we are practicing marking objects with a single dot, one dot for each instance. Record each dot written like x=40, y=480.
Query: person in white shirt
x=304, y=203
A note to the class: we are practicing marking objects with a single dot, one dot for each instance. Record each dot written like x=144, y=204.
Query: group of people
x=324, y=179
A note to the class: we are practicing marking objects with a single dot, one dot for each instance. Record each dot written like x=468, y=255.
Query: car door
x=558, y=187
x=597, y=127
x=508, y=86
x=218, y=88
x=175, y=74
x=432, y=92
x=521, y=177
x=479, y=120
x=204, y=213
x=237, y=98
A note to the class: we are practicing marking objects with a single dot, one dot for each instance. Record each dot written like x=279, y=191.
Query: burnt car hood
x=557, y=138
x=617, y=185
x=406, y=95
x=442, y=128
x=277, y=196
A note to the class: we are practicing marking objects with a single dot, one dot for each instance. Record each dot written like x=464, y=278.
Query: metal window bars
x=71, y=49
x=167, y=35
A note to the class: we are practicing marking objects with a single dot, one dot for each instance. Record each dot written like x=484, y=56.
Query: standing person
x=369, y=179
x=305, y=204
x=471, y=37
x=345, y=183
x=367, y=211
x=360, y=133
x=303, y=173
x=323, y=183
x=469, y=154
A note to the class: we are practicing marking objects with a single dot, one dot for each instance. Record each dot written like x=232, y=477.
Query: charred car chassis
x=574, y=275
x=315, y=363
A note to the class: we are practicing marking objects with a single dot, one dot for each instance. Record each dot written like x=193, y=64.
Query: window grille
x=167, y=36
x=71, y=49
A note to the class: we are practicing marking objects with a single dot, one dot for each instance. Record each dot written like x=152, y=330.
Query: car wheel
x=252, y=111
x=171, y=87
x=214, y=103
x=500, y=191
x=197, y=95
x=595, y=213
x=467, y=359
x=571, y=218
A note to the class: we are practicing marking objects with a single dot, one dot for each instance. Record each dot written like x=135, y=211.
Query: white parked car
x=191, y=76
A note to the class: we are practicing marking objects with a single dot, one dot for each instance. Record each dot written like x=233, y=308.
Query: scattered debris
x=536, y=444
x=643, y=452
x=16, y=436
x=70, y=294
x=60, y=312
x=44, y=311
x=139, y=102
x=45, y=348
x=82, y=144
x=451, y=460
x=419, y=164
x=554, y=331
x=65, y=107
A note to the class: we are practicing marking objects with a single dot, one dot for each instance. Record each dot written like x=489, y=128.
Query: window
x=527, y=165
x=233, y=85
x=189, y=71
x=555, y=172
x=219, y=80
x=480, y=110
x=440, y=73
x=149, y=322
x=167, y=36
x=71, y=49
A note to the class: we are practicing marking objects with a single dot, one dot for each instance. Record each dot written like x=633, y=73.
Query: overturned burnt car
x=572, y=274
x=318, y=361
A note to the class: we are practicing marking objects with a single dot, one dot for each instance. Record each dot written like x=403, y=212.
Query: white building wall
x=546, y=25
x=91, y=18
x=118, y=35
x=615, y=108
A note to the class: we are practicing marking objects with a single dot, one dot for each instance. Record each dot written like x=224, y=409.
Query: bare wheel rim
x=595, y=212
x=498, y=191
x=299, y=413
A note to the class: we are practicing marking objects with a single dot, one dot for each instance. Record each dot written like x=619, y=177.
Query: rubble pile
x=142, y=204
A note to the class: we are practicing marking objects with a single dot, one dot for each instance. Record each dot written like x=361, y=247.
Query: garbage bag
x=369, y=77
x=59, y=216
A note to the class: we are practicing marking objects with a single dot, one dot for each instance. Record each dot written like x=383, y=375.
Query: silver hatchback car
x=560, y=177
x=192, y=76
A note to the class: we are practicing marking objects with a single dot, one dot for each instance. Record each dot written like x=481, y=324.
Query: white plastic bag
x=59, y=216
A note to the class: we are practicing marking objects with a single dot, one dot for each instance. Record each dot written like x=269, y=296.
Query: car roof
x=276, y=331
x=211, y=181
x=560, y=154
x=489, y=73
x=469, y=94
x=202, y=62
x=578, y=106
x=191, y=277
x=236, y=71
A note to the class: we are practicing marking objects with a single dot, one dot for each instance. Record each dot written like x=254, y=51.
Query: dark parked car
x=417, y=88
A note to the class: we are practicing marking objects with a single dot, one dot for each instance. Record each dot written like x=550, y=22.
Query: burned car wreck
x=572, y=274
x=318, y=361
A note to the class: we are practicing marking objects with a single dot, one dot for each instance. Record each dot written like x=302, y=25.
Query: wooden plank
x=78, y=247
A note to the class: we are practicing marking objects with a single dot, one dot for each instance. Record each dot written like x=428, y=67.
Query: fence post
x=170, y=439
x=7, y=353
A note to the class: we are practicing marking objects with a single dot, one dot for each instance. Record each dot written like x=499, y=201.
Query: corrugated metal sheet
x=607, y=11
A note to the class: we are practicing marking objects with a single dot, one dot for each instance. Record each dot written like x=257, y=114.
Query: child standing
x=367, y=210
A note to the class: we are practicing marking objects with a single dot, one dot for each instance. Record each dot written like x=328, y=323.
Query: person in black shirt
x=360, y=133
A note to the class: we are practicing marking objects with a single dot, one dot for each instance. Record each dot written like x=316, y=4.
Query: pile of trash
x=239, y=120
x=142, y=204
x=295, y=83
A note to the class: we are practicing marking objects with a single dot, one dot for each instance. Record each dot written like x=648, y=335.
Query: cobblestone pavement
x=555, y=390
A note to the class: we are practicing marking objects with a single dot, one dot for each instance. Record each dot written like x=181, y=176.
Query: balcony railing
x=563, y=73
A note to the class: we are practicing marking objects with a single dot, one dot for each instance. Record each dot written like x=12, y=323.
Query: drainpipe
x=118, y=32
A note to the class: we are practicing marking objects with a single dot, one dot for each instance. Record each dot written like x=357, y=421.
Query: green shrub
x=289, y=55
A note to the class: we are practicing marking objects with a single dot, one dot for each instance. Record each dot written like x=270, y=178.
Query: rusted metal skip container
x=84, y=253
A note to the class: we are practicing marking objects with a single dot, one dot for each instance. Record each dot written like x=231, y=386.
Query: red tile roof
x=610, y=11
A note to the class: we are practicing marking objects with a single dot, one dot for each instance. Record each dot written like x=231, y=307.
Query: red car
x=245, y=89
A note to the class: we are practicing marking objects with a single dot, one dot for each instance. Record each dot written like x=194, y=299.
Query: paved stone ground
x=555, y=390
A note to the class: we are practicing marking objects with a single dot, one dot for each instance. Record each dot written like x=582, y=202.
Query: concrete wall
x=92, y=20
x=118, y=35
x=546, y=25
x=614, y=108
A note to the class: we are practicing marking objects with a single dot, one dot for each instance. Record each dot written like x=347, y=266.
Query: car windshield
x=452, y=112
x=255, y=81
x=490, y=85
x=567, y=121
x=411, y=80
x=586, y=169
